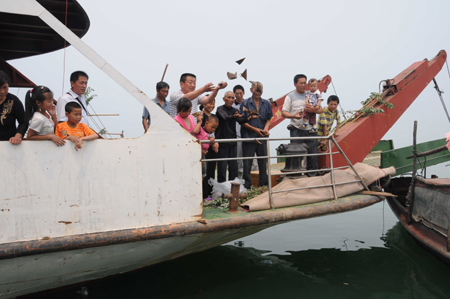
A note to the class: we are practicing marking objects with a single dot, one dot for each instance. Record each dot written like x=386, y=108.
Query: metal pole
x=332, y=169
x=164, y=74
x=448, y=234
x=440, y=97
x=410, y=195
x=269, y=169
x=234, y=200
x=349, y=163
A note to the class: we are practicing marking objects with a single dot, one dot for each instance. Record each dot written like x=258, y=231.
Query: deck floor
x=216, y=213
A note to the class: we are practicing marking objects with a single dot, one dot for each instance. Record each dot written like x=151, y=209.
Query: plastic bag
x=225, y=187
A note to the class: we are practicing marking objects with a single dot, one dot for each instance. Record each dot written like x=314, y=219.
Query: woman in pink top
x=184, y=117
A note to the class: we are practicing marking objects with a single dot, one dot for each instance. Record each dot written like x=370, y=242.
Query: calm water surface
x=361, y=254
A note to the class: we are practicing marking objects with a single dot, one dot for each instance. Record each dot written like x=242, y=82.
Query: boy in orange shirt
x=72, y=129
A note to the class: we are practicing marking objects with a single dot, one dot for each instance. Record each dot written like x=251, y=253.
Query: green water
x=361, y=254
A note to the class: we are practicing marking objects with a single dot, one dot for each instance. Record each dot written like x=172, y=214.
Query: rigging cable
x=64, y=73
x=448, y=71
x=440, y=97
x=342, y=110
x=99, y=121
x=65, y=46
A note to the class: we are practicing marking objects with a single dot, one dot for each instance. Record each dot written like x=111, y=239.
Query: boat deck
x=342, y=204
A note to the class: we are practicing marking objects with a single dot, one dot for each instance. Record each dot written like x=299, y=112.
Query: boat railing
x=329, y=153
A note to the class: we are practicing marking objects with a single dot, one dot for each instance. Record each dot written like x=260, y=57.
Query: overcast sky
x=357, y=43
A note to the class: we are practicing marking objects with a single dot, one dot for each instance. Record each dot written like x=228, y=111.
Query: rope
x=64, y=79
x=65, y=46
x=90, y=106
x=342, y=109
x=448, y=71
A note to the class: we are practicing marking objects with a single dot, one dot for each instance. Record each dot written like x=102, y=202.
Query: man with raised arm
x=258, y=112
x=78, y=83
x=293, y=108
x=188, y=85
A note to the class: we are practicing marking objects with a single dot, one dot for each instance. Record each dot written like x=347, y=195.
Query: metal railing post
x=269, y=170
x=332, y=169
x=330, y=153
x=349, y=163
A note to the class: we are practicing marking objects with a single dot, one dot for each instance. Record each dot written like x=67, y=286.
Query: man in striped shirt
x=326, y=119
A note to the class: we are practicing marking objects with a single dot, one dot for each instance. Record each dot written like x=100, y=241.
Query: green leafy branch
x=369, y=110
x=224, y=203
x=88, y=96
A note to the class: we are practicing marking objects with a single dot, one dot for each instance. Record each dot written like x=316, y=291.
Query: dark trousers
x=227, y=152
x=312, y=162
x=248, y=150
x=210, y=173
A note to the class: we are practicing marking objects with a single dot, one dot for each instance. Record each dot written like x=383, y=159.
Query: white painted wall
x=108, y=185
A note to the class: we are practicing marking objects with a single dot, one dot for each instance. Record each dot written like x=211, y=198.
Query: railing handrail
x=330, y=139
x=265, y=139
x=267, y=157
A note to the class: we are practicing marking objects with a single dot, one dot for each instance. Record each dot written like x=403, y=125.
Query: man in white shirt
x=294, y=105
x=188, y=85
x=78, y=83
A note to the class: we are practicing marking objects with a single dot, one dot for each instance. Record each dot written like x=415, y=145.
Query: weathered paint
x=358, y=138
x=116, y=205
x=215, y=223
x=31, y=274
x=108, y=185
x=45, y=264
x=397, y=157
x=425, y=237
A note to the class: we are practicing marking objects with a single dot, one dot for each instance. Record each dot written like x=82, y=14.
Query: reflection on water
x=398, y=268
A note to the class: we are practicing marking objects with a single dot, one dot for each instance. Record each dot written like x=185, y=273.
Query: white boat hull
x=35, y=273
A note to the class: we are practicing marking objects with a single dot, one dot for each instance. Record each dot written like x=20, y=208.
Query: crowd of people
x=244, y=118
x=66, y=121
x=192, y=108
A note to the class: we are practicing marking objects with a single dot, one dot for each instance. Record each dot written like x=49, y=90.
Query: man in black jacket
x=228, y=116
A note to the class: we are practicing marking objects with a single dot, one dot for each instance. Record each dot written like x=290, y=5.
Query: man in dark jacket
x=228, y=116
x=259, y=111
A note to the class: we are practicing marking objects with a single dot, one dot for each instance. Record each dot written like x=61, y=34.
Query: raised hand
x=215, y=147
x=237, y=115
x=209, y=87
x=222, y=85
x=52, y=110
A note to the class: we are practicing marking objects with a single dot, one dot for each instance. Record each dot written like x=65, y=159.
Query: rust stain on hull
x=65, y=222
x=266, y=218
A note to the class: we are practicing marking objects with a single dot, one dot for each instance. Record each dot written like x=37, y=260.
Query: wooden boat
x=423, y=204
x=428, y=221
x=69, y=217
